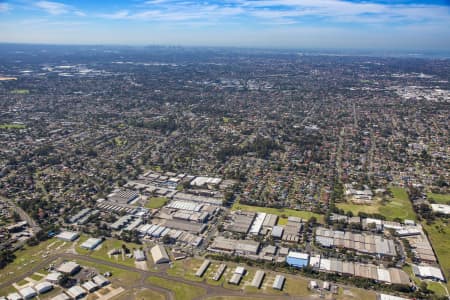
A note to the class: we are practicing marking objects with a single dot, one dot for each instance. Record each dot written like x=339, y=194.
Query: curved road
x=23, y=215
x=211, y=291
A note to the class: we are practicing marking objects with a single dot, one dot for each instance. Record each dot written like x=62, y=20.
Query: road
x=211, y=291
x=23, y=215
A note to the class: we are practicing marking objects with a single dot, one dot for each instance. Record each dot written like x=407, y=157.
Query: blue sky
x=364, y=24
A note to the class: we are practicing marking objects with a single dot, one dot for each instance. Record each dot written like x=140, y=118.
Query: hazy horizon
x=278, y=24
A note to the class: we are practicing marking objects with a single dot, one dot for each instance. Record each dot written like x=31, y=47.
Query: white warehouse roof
x=28, y=293
x=14, y=296
x=298, y=255
x=69, y=236
x=441, y=208
x=389, y=297
x=159, y=254
x=91, y=243
x=76, y=291
x=43, y=287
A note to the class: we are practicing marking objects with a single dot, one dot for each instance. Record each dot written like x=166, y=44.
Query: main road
x=23, y=215
x=211, y=291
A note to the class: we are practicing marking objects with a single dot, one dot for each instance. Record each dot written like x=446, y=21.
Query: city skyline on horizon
x=321, y=24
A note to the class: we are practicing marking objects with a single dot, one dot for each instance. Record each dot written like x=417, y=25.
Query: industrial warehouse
x=362, y=243
x=181, y=228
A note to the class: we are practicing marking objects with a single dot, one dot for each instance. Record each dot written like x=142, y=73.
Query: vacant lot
x=122, y=276
x=234, y=298
x=182, y=291
x=29, y=257
x=439, y=198
x=12, y=126
x=20, y=92
x=356, y=208
x=283, y=213
x=156, y=202
x=398, y=206
x=141, y=294
x=439, y=234
x=186, y=269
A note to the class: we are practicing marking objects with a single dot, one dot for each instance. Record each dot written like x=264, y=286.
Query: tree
x=16, y=216
x=32, y=241
x=6, y=257
x=424, y=287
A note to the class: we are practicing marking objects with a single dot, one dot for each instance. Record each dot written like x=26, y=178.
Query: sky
x=323, y=24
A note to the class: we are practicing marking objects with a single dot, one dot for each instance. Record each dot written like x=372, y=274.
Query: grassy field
x=356, y=294
x=356, y=208
x=20, y=92
x=122, y=276
x=182, y=291
x=141, y=294
x=29, y=257
x=283, y=213
x=12, y=126
x=399, y=206
x=439, y=198
x=437, y=288
x=186, y=269
x=106, y=246
x=439, y=234
x=234, y=298
x=156, y=202
x=119, y=141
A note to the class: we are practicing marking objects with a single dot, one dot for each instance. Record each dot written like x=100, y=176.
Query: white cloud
x=343, y=11
x=284, y=11
x=121, y=14
x=58, y=8
x=53, y=8
x=178, y=12
x=4, y=7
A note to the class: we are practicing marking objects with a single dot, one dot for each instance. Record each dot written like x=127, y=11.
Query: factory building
x=43, y=287
x=297, y=259
x=90, y=286
x=139, y=255
x=389, y=275
x=121, y=222
x=278, y=283
x=389, y=297
x=231, y=246
x=219, y=272
x=76, y=292
x=68, y=236
x=292, y=230
x=258, y=279
x=206, y=263
x=28, y=293
x=53, y=277
x=428, y=272
x=241, y=221
x=91, y=243
x=362, y=243
x=277, y=232
x=257, y=223
x=79, y=215
x=237, y=275
x=159, y=255
x=123, y=196
x=69, y=268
